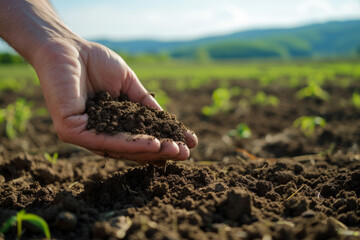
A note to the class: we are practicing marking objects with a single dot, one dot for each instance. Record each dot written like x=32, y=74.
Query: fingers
x=169, y=150
x=184, y=152
x=141, y=148
x=120, y=142
x=191, y=138
x=76, y=133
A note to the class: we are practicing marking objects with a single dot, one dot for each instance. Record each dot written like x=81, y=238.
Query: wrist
x=31, y=27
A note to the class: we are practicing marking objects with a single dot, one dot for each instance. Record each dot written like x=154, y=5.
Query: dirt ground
x=279, y=184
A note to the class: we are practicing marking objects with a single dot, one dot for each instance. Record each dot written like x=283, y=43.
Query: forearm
x=27, y=25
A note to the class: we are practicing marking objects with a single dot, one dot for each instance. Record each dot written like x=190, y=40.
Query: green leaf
x=52, y=159
x=355, y=99
x=8, y=224
x=209, y=110
x=15, y=115
x=242, y=131
x=37, y=221
x=313, y=90
x=308, y=123
x=47, y=156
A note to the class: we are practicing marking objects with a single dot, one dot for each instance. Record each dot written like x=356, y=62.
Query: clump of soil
x=113, y=115
x=81, y=199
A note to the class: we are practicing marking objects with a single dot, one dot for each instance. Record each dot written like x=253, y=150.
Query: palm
x=70, y=75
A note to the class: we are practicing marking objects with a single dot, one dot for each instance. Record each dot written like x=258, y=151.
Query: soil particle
x=190, y=201
x=237, y=205
x=159, y=189
x=2, y=180
x=66, y=221
x=102, y=230
x=263, y=187
x=50, y=213
x=113, y=115
x=308, y=214
x=284, y=177
x=295, y=206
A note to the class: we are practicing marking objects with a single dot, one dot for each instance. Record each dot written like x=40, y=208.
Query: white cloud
x=160, y=22
x=316, y=7
x=350, y=7
x=327, y=9
x=163, y=19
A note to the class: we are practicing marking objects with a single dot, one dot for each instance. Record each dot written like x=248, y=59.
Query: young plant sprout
x=313, y=90
x=220, y=102
x=263, y=99
x=23, y=216
x=52, y=159
x=308, y=124
x=241, y=131
x=16, y=117
x=355, y=99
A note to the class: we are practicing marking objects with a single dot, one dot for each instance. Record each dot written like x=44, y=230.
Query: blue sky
x=189, y=19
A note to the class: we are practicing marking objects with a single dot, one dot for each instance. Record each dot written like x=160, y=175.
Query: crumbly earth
x=296, y=187
x=113, y=115
x=84, y=198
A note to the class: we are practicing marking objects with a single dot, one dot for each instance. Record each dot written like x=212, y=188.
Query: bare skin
x=70, y=70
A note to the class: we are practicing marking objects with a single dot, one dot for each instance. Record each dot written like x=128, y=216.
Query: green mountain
x=341, y=38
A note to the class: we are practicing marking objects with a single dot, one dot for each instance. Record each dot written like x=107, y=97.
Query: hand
x=71, y=71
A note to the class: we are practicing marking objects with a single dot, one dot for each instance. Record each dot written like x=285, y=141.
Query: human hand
x=71, y=71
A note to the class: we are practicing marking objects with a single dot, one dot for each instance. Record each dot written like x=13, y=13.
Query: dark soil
x=82, y=199
x=274, y=185
x=111, y=116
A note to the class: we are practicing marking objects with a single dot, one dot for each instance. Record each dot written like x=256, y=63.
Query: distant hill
x=338, y=38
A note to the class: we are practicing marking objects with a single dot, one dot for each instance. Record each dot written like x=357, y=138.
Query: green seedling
x=263, y=99
x=242, y=131
x=52, y=159
x=308, y=124
x=15, y=116
x=11, y=83
x=355, y=99
x=23, y=216
x=220, y=102
x=313, y=90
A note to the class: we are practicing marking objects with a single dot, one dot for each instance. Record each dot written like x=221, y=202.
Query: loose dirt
x=82, y=199
x=294, y=187
x=111, y=116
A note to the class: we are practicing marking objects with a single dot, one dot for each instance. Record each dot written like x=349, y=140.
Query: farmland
x=278, y=157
